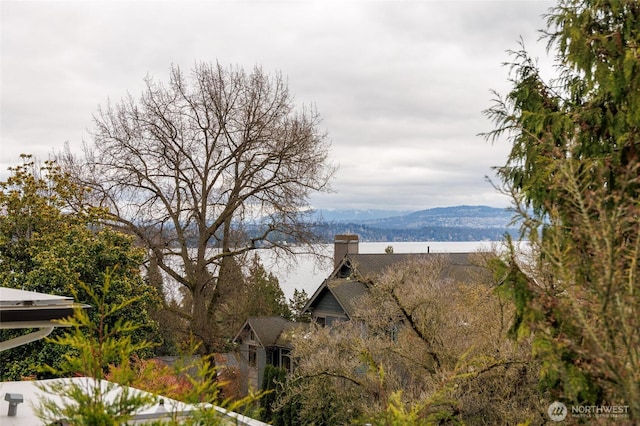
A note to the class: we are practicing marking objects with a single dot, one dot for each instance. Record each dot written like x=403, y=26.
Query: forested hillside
x=460, y=223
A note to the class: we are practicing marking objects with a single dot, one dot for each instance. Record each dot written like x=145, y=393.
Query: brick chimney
x=343, y=245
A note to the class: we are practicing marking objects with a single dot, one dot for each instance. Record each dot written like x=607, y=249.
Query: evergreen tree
x=229, y=303
x=273, y=381
x=573, y=175
x=47, y=247
x=241, y=294
x=266, y=298
x=96, y=347
x=297, y=304
x=104, y=347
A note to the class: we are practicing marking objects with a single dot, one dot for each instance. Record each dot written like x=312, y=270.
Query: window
x=329, y=321
x=253, y=356
x=285, y=360
x=271, y=358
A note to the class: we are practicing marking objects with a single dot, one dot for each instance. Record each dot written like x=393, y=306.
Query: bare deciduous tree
x=221, y=160
x=425, y=346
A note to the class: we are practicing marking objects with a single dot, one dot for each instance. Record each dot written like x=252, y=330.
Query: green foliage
x=206, y=388
x=97, y=345
x=240, y=294
x=514, y=286
x=590, y=112
x=278, y=407
x=228, y=307
x=46, y=246
x=297, y=304
x=573, y=176
x=273, y=381
x=104, y=349
x=266, y=298
x=399, y=413
x=314, y=401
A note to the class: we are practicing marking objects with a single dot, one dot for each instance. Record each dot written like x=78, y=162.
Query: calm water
x=307, y=274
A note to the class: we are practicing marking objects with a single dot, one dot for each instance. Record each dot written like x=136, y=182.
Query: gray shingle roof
x=347, y=293
x=269, y=330
x=368, y=267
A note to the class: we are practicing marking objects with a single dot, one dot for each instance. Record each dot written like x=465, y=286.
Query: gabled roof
x=350, y=278
x=268, y=330
x=346, y=293
x=371, y=265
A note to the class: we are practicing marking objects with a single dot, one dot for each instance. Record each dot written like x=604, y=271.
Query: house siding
x=327, y=303
x=259, y=343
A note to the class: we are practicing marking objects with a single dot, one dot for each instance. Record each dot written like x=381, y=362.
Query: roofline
x=15, y=297
x=25, y=315
x=22, y=314
x=324, y=284
x=6, y=325
x=315, y=295
x=346, y=312
x=354, y=266
x=171, y=408
x=246, y=322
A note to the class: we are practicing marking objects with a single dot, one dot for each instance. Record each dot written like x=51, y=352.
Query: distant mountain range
x=459, y=223
x=354, y=215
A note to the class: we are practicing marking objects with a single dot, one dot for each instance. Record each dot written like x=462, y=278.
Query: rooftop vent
x=14, y=399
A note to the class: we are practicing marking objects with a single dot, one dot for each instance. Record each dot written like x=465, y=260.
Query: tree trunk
x=201, y=325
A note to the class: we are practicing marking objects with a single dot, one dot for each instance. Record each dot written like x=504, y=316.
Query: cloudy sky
x=400, y=84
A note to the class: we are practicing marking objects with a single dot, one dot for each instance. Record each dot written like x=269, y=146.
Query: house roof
x=371, y=265
x=21, y=309
x=367, y=267
x=14, y=296
x=163, y=409
x=29, y=309
x=268, y=330
x=346, y=293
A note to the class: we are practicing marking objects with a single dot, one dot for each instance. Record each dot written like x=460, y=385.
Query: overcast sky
x=400, y=84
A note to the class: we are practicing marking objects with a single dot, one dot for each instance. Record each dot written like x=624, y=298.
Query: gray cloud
x=400, y=84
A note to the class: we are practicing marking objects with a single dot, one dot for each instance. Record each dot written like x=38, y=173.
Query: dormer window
x=344, y=271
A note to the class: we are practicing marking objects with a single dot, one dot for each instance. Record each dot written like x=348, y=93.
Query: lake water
x=307, y=274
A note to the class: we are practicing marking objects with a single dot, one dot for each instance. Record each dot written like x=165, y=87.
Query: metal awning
x=21, y=309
